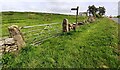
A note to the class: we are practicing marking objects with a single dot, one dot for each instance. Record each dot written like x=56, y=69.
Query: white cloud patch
x=57, y=6
x=59, y=0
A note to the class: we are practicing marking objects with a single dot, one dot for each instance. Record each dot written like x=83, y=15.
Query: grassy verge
x=91, y=46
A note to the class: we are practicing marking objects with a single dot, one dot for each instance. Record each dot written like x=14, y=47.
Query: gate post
x=65, y=25
x=17, y=36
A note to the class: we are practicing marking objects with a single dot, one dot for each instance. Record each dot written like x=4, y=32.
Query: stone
x=80, y=23
x=3, y=38
x=13, y=46
x=2, y=47
x=9, y=41
x=1, y=43
x=12, y=50
x=91, y=19
x=17, y=35
x=7, y=48
x=1, y=50
x=1, y=55
x=74, y=26
x=65, y=25
x=70, y=26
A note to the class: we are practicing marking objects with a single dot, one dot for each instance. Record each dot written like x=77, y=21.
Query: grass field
x=32, y=18
x=92, y=45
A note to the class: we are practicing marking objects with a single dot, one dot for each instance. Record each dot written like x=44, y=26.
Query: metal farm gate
x=36, y=34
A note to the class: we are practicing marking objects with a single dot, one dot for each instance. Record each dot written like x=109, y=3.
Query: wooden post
x=76, y=12
x=65, y=25
x=17, y=36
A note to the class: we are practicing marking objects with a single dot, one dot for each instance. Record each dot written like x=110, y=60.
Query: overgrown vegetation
x=92, y=45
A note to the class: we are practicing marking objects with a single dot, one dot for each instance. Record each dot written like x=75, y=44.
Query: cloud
x=57, y=6
x=59, y=0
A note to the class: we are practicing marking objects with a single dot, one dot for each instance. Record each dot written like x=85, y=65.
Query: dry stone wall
x=7, y=45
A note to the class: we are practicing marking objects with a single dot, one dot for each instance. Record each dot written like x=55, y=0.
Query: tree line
x=96, y=12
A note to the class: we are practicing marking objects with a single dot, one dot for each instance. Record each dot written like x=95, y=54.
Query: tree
x=118, y=16
x=96, y=12
x=101, y=10
x=92, y=10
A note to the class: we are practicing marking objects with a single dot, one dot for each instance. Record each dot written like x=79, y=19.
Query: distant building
x=83, y=13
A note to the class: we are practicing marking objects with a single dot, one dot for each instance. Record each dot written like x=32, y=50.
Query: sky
x=58, y=6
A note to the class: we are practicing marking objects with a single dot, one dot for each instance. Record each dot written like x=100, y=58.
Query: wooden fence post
x=17, y=36
x=65, y=25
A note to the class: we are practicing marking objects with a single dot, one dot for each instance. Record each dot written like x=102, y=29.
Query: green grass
x=90, y=46
x=31, y=18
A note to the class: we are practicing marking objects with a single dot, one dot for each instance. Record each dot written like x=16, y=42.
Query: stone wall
x=68, y=26
x=7, y=45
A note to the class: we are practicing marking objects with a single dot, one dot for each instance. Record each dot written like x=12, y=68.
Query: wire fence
x=36, y=34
